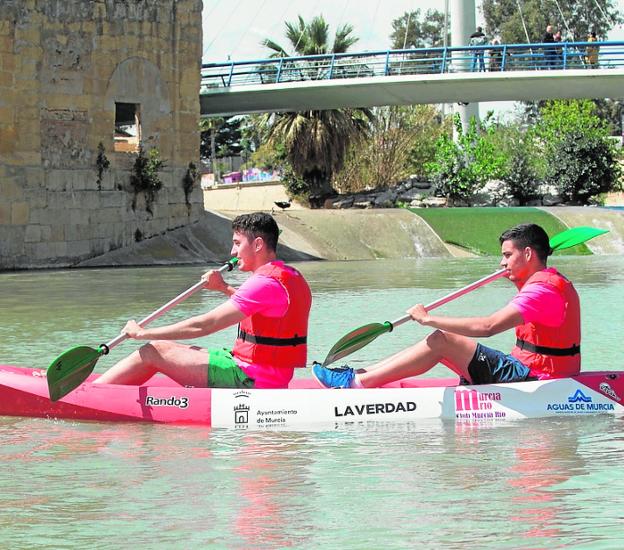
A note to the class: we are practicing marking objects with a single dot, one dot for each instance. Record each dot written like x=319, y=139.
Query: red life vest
x=280, y=342
x=552, y=352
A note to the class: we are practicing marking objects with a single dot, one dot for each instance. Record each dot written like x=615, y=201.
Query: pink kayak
x=24, y=392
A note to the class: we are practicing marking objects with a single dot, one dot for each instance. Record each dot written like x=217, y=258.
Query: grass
x=478, y=229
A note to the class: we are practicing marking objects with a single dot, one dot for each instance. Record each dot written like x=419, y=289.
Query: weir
x=336, y=235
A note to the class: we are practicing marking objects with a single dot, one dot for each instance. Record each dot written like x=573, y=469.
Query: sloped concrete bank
x=306, y=235
x=334, y=235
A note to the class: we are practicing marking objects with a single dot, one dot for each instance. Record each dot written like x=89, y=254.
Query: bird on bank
x=281, y=204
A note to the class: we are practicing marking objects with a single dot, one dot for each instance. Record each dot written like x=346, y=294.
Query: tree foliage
x=582, y=167
x=580, y=159
x=400, y=141
x=504, y=18
x=413, y=30
x=463, y=167
x=522, y=173
x=315, y=142
x=312, y=38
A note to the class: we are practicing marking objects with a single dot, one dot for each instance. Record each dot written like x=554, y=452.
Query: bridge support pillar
x=463, y=24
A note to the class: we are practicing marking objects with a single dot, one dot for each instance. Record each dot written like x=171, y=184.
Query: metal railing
x=488, y=58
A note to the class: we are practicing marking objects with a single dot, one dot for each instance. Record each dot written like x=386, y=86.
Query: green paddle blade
x=575, y=235
x=355, y=340
x=70, y=369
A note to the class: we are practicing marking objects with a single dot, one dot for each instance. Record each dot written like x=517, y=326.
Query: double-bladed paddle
x=364, y=335
x=72, y=368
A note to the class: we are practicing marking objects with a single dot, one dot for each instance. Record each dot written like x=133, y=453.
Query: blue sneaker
x=333, y=378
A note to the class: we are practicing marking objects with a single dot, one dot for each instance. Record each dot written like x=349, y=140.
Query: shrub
x=463, y=167
x=583, y=166
x=144, y=177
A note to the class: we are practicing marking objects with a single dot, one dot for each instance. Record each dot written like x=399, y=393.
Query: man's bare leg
x=439, y=347
x=187, y=365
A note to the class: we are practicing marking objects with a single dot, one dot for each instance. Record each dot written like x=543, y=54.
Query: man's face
x=245, y=249
x=515, y=260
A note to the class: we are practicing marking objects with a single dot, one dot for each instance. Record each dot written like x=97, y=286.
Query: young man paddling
x=271, y=308
x=545, y=314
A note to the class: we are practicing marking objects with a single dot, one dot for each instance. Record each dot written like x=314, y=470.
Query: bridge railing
x=488, y=58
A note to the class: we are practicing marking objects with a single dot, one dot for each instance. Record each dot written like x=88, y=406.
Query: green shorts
x=223, y=372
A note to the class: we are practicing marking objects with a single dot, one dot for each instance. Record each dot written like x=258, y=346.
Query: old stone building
x=83, y=85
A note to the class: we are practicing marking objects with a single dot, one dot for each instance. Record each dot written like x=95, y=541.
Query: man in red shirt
x=545, y=314
x=271, y=308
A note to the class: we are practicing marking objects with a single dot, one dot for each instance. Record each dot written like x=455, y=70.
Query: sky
x=233, y=29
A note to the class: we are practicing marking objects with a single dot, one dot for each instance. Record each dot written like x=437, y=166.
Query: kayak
x=24, y=392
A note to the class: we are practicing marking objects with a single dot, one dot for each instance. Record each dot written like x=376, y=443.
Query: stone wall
x=65, y=67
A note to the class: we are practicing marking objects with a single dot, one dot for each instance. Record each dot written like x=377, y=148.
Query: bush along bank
x=414, y=193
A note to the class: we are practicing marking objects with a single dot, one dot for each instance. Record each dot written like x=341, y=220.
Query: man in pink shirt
x=271, y=308
x=545, y=314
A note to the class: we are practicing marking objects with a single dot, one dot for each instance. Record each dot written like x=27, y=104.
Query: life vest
x=552, y=352
x=280, y=342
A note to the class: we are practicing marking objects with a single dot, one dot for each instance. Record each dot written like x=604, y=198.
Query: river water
x=548, y=483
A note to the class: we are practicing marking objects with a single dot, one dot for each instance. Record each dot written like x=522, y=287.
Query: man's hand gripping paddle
x=72, y=368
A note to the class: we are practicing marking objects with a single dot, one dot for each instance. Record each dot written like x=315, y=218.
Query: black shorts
x=490, y=366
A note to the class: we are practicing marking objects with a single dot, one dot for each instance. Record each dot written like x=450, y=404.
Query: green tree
x=400, y=140
x=312, y=38
x=523, y=162
x=507, y=18
x=315, y=142
x=583, y=166
x=579, y=157
x=412, y=30
x=463, y=167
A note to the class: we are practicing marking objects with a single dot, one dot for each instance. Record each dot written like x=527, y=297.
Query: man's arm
x=500, y=321
x=223, y=316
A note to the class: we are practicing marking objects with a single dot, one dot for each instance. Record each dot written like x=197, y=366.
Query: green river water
x=548, y=483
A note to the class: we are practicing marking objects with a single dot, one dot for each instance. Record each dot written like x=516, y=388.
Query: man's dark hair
x=529, y=234
x=258, y=224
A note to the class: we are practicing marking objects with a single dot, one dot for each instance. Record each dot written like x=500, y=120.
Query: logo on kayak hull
x=608, y=390
x=241, y=409
x=579, y=403
x=477, y=405
x=374, y=408
x=173, y=401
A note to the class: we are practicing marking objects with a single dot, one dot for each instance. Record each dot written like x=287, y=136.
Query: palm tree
x=312, y=38
x=316, y=142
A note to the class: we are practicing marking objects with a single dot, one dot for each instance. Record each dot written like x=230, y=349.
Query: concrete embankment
x=335, y=235
x=306, y=235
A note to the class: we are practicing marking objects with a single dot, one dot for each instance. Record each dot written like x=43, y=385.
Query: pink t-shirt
x=540, y=303
x=265, y=295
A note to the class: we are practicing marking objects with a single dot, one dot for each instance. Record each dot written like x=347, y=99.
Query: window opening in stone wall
x=127, y=127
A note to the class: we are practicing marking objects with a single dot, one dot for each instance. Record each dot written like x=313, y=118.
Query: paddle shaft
x=453, y=295
x=171, y=303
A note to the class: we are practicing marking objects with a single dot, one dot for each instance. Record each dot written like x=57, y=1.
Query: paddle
x=72, y=368
x=364, y=335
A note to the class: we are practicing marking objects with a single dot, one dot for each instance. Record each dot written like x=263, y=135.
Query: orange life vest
x=552, y=352
x=280, y=342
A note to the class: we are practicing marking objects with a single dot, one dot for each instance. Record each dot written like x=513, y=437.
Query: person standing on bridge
x=545, y=313
x=478, y=38
x=549, y=51
x=271, y=308
x=591, y=54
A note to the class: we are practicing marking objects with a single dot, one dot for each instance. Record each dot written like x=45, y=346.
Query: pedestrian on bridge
x=591, y=53
x=478, y=38
x=549, y=51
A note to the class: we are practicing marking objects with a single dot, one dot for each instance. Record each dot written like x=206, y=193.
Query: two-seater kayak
x=24, y=392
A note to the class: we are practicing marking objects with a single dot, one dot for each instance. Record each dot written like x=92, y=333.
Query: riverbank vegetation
x=562, y=149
